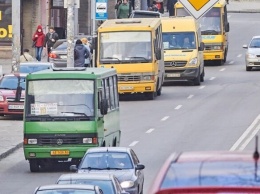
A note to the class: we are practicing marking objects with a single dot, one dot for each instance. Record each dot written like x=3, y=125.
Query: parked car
x=68, y=189
x=12, y=88
x=145, y=14
x=211, y=172
x=120, y=161
x=58, y=54
x=34, y=66
x=107, y=182
x=252, y=56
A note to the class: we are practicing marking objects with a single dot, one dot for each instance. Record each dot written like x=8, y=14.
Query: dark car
x=107, y=182
x=68, y=189
x=211, y=172
x=120, y=161
x=145, y=14
x=12, y=88
x=58, y=54
x=34, y=66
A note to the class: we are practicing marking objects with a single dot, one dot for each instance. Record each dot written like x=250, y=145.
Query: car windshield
x=107, y=160
x=33, y=68
x=179, y=40
x=12, y=82
x=211, y=173
x=255, y=43
x=68, y=98
x=66, y=191
x=125, y=47
x=104, y=185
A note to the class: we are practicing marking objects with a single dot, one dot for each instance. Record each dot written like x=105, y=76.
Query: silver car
x=252, y=56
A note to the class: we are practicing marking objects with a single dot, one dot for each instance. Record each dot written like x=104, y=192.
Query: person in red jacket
x=38, y=38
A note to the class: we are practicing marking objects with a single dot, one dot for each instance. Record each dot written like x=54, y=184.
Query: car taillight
x=52, y=55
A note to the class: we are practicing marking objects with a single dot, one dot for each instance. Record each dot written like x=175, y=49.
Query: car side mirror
x=245, y=46
x=73, y=168
x=202, y=46
x=139, y=167
x=103, y=106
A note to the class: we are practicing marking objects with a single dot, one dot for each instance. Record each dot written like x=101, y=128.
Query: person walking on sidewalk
x=170, y=7
x=88, y=55
x=119, y=2
x=26, y=56
x=123, y=10
x=38, y=39
x=50, y=39
x=80, y=51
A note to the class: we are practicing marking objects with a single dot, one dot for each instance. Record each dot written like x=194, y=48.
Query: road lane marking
x=212, y=78
x=133, y=143
x=245, y=134
x=201, y=87
x=231, y=62
x=190, y=96
x=150, y=130
x=223, y=69
x=178, y=107
x=240, y=55
x=164, y=118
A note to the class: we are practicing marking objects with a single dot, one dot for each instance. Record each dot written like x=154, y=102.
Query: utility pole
x=16, y=34
x=93, y=14
x=70, y=32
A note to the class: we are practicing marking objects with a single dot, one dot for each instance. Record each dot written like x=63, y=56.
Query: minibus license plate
x=126, y=87
x=60, y=152
x=173, y=75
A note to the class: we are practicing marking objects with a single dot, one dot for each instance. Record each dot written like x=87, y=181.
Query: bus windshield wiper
x=90, y=168
x=77, y=113
x=209, y=32
x=111, y=58
x=139, y=58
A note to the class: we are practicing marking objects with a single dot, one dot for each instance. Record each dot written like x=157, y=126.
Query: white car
x=252, y=56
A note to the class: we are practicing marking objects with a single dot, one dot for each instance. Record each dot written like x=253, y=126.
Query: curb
x=8, y=152
x=243, y=11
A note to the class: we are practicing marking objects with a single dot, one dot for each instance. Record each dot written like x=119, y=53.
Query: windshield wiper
x=209, y=32
x=78, y=113
x=111, y=58
x=90, y=168
x=139, y=58
x=6, y=88
x=187, y=50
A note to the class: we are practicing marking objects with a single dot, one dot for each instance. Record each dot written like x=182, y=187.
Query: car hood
x=121, y=175
x=255, y=51
x=9, y=92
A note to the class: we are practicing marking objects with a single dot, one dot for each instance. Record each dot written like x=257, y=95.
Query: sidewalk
x=12, y=138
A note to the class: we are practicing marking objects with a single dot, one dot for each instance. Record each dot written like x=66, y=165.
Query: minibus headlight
x=148, y=77
x=217, y=47
x=87, y=140
x=251, y=56
x=32, y=141
x=127, y=184
x=193, y=61
x=1, y=98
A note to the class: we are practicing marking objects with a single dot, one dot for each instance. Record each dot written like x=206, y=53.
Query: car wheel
x=202, y=76
x=34, y=166
x=196, y=81
x=248, y=68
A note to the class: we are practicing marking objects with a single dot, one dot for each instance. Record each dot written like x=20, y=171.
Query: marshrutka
x=68, y=111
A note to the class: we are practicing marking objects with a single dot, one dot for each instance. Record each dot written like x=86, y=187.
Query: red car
x=12, y=88
x=208, y=172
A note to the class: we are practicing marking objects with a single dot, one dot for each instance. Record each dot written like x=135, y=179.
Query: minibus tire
x=202, y=76
x=196, y=81
x=34, y=166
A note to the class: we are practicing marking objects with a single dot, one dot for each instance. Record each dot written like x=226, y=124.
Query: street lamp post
x=70, y=32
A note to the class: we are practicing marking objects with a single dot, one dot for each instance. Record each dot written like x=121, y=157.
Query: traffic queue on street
x=59, y=103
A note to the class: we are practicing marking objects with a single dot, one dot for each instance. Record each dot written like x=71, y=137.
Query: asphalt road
x=212, y=116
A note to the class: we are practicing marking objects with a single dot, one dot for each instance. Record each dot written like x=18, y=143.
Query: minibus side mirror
x=158, y=54
x=202, y=46
x=103, y=106
x=227, y=27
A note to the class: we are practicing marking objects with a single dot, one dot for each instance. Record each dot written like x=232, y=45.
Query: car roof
x=258, y=36
x=92, y=176
x=108, y=149
x=69, y=186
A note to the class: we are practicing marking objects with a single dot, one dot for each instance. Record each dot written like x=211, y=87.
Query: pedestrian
x=123, y=10
x=170, y=7
x=80, y=51
x=119, y=2
x=154, y=7
x=38, y=42
x=88, y=56
x=50, y=38
x=26, y=56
